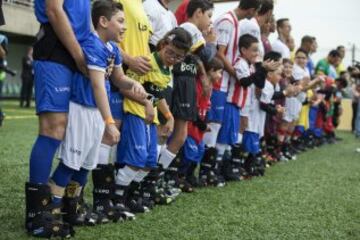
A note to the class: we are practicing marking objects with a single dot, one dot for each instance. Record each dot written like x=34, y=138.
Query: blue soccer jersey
x=78, y=12
x=101, y=57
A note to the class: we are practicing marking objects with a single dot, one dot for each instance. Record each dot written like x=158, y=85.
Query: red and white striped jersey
x=227, y=31
x=237, y=94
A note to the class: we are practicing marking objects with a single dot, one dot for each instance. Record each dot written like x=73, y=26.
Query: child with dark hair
x=194, y=147
x=257, y=106
x=137, y=150
x=89, y=111
x=183, y=105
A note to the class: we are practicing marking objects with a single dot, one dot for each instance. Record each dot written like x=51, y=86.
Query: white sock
x=159, y=147
x=113, y=153
x=221, y=149
x=140, y=175
x=240, y=138
x=125, y=176
x=104, y=154
x=166, y=157
x=211, y=137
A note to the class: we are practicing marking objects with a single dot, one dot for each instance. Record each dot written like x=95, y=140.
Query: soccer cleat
x=153, y=190
x=76, y=212
x=103, y=195
x=134, y=200
x=207, y=176
x=43, y=218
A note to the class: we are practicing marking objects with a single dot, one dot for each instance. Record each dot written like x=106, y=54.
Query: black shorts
x=168, y=97
x=184, y=98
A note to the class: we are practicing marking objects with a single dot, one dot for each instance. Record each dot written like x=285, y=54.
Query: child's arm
x=312, y=84
x=124, y=82
x=164, y=109
x=146, y=102
x=257, y=78
x=97, y=79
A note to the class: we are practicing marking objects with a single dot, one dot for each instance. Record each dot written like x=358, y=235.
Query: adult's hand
x=140, y=65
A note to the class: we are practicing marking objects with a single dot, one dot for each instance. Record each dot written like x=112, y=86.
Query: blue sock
x=41, y=158
x=62, y=175
x=80, y=176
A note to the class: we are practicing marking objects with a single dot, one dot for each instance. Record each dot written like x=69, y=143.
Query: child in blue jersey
x=89, y=111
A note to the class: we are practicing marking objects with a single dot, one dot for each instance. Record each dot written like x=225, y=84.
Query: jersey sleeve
x=223, y=31
x=242, y=69
x=118, y=57
x=267, y=93
x=95, y=56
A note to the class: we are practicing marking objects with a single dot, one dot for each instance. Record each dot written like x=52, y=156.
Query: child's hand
x=149, y=112
x=112, y=133
x=271, y=65
x=210, y=36
x=280, y=109
x=168, y=128
x=139, y=90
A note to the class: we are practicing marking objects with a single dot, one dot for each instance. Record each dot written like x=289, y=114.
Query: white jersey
x=251, y=26
x=237, y=94
x=227, y=32
x=161, y=19
x=282, y=48
x=256, y=116
x=293, y=105
x=196, y=36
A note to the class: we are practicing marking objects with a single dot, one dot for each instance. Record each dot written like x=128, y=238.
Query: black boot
x=43, y=218
x=190, y=174
x=233, y=169
x=75, y=210
x=260, y=165
x=103, y=193
x=250, y=167
x=174, y=179
x=134, y=200
x=153, y=189
x=218, y=170
x=207, y=176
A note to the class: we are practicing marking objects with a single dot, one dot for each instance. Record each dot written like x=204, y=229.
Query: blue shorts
x=312, y=116
x=318, y=132
x=138, y=143
x=300, y=129
x=192, y=151
x=251, y=142
x=230, y=126
x=52, y=87
x=116, y=105
x=216, y=112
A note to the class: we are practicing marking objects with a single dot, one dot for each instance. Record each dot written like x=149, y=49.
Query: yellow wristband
x=109, y=120
x=168, y=115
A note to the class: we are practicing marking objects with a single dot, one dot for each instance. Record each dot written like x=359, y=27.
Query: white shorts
x=84, y=132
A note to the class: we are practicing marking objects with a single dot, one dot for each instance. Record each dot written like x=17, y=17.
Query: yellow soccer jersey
x=138, y=32
x=159, y=75
x=304, y=114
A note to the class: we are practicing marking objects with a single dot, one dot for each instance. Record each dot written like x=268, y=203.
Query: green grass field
x=314, y=197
